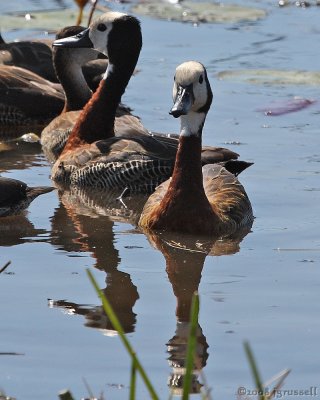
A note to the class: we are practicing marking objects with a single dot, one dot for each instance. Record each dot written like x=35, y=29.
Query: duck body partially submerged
x=197, y=199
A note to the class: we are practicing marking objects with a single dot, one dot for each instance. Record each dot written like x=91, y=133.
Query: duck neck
x=97, y=119
x=187, y=173
x=70, y=75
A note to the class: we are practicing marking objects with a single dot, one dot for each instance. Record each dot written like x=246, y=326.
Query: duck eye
x=174, y=78
x=101, y=27
x=200, y=79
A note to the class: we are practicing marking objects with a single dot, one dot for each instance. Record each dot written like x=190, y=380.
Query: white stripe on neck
x=192, y=123
x=109, y=70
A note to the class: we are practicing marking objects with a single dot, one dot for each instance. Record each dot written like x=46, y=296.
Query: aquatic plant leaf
x=199, y=12
x=272, y=77
x=40, y=20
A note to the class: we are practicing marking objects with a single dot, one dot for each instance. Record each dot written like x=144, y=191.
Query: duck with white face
x=205, y=200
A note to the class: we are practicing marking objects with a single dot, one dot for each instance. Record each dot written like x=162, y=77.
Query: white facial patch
x=99, y=37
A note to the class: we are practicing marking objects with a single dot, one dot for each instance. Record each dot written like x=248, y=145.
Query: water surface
x=262, y=288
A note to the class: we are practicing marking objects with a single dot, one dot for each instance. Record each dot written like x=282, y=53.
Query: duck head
x=114, y=34
x=192, y=96
x=76, y=55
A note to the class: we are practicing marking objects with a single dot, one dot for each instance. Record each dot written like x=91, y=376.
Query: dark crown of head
x=126, y=33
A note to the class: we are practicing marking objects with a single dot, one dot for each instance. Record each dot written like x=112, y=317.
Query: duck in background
x=93, y=155
x=33, y=55
x=68, y=67
x=37, y=56
x=71, y=65
x=15, y=195
x=27, y=98
x=29, y=88
x=205, y=200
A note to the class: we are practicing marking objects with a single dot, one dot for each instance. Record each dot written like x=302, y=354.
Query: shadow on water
x=84, y=222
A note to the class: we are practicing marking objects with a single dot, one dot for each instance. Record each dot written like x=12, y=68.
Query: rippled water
x=263, y=288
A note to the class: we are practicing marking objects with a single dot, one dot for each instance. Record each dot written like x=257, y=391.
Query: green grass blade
x=192, y=343
x=132, y=394
x=254, y=370
x=117, y=325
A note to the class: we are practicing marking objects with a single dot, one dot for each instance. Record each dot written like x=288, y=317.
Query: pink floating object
x=294, y=105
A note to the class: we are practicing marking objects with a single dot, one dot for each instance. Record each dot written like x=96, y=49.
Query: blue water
x=266, y=291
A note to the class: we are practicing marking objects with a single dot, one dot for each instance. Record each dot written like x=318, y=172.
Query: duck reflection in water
x=185, y=256
x=17, y=155
x=18, y=229
x=91, y=216
x=81, y=224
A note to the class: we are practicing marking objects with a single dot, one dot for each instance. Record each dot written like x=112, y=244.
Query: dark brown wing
x=12, y=76
x=129, y=146
x=212, y=155
x=128, y=125
x=140, y=162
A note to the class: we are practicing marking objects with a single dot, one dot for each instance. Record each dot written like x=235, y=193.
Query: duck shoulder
x=12, y=76
x=120, y=149
x=55, y=135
